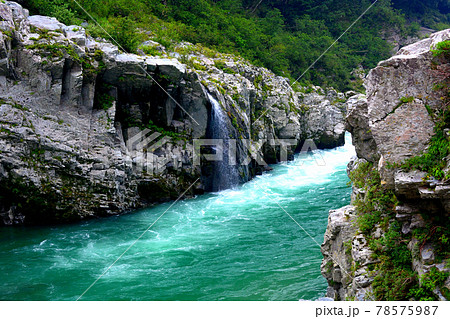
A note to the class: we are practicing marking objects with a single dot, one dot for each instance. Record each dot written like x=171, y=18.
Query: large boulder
x=324, y=121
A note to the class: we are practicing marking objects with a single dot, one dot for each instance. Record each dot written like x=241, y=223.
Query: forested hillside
x=285, y=36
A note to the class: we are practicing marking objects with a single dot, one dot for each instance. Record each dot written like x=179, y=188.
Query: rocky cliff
x=87, y=130
x=391, y=243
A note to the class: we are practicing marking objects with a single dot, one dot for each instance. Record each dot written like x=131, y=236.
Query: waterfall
x=224, y=175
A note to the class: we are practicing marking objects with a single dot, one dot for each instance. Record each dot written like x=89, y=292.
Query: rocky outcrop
x=393, y=123
x=87, y=130
x=347, y=256
x=68, y=106
x=401, y=101
x=338, y=252
x=358, y=125
x=399, y=39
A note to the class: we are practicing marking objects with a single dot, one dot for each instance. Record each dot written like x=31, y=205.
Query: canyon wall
x=88, y=130
x=396, y=227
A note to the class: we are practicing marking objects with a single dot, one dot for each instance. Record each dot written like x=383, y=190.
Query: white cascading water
x=224, y=175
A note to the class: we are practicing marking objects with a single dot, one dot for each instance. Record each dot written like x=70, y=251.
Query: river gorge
x=85, y=215
x=237, y=244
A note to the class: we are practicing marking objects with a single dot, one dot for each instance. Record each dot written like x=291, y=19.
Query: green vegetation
x=174, y=135
x=406, y=99
x=150, y=50
x=394, y=278
x=104, y=101
x=442, y=50
x=429, y=13
x=58, y=51
x=435, y=233
x=377, y=203
x=283, y=36
x=393, y=284
x=19, y=107
x=430, y=281
x=195, y=65
x=55, y=50
x=5, y=130
x=14, y=104
x=348, y=248
x=433, y=161
x=222, y=66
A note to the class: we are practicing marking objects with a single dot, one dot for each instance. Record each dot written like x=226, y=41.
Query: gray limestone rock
x=68, y=119
x=399, y=94
x=427, y=254
x=358, y=124
x=389, y=125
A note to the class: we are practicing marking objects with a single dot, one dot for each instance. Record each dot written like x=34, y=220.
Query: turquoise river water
x=232, y=245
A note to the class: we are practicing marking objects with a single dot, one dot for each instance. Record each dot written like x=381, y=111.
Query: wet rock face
x=74, y=112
